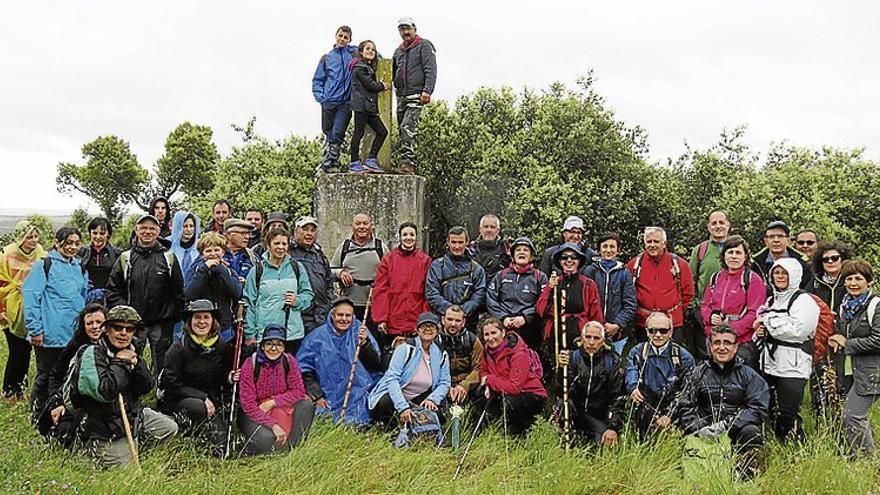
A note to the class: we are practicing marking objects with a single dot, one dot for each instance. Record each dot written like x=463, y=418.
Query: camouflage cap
x=124, y=314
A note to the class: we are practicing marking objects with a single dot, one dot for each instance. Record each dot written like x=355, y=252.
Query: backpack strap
x=125, y=259
x=701, y=252
x=377, y=245
x=410, y=352
x=794, y=296
x=346, y=248
x=675, y=353
x=285, y=363
x=637, y=268
x=872, y=308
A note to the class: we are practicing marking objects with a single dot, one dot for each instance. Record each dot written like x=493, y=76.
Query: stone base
x=389, y=200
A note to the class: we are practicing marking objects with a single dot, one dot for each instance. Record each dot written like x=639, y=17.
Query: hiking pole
x=354, y=362
x=556, y=320
x=566, y=426
x=236, y=358
x=467, y=448
x=367, y=308
x=132, y=448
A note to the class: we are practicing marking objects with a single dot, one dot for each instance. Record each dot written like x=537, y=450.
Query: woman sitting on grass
x=277, y=411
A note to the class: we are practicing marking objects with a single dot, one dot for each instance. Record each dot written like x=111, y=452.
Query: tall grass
x=341, y=460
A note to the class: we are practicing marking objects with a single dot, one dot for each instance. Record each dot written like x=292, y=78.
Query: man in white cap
x=573, y=232
x=306, y=250
x=414, y=66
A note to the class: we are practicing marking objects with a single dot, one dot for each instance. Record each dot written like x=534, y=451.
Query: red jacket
x=511, y=371
x=592, y=307
x=399, y=290
x=657, y=289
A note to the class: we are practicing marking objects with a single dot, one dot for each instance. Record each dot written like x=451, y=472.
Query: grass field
x=340, y=460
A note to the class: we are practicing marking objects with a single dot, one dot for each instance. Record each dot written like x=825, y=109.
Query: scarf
x=520, y=270
x=608, y=264
x=206, y=343
x=416, y=39
x=495, y=352
x=853, y=305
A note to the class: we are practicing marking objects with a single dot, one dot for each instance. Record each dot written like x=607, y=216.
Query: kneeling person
x=102, y=374
x=596, y=399
x=325, y=359
x=464, y=350
x=724, y=395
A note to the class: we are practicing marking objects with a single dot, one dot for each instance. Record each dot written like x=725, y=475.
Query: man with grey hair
x=355, y=262
x=596, y=399
x=663, y=283
x=489, y=249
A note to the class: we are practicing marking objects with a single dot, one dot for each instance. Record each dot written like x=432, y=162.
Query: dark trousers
x=17, y=363
x=361, y=120
x=159, y=336
x=520, y=410
x=191, y=415
x=334, y=121
x=46, y=358
x=589, y=427
x=786, y=396
x=259, y=439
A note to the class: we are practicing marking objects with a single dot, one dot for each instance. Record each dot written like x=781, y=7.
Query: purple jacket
x=270, y=385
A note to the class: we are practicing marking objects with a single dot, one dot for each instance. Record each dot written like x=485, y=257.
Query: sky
x=804, y=72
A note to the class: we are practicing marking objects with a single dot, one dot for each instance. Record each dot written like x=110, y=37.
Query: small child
x=365, y=104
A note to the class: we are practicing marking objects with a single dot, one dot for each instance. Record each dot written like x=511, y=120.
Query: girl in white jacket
x=784, y=330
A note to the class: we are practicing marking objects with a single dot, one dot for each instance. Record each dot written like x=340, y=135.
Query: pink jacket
x=270, y=385
x=728, y=297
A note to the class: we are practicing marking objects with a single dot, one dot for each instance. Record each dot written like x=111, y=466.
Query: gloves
x=96, y=295
x=713, y=431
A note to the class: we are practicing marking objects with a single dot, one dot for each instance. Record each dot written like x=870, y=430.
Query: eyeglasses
x=569, y=257
x=274, y=344
x=118, y=328
x=660, y=330
x=834, y=258
x=804, y=242
x=723, y=343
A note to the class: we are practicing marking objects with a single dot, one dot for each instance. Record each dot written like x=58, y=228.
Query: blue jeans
x=334, y=121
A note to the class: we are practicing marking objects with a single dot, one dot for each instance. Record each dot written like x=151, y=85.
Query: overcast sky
x=803, y=71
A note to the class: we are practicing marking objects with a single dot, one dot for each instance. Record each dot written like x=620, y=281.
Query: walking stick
x=467, y=448
x=354, y=362
x=132, y=448
x=236, y=358
x=555, y=320
x=566, y=427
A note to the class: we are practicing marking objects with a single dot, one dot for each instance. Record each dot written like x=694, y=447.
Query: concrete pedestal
x=389, y=200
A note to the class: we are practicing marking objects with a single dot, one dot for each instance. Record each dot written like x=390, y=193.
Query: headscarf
x=15, y=265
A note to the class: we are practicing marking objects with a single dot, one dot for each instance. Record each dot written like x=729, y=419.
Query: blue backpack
x=425, y=424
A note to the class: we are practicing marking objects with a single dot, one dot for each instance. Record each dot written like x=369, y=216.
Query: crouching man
x=101, y=375
x=597, y=398
x=725, y=396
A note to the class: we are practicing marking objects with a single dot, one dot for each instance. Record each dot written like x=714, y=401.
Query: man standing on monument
x=331, y=86
x=414, y=67
x=356, y=260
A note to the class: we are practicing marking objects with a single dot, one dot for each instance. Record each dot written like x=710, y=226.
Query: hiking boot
x=355, y=167
x=407, y=167
x=372, y=165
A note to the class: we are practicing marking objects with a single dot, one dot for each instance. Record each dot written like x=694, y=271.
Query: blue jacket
x=217, y=284
x=464, y=276
x=266, y=302
x=185, y=255
x=51, y=306
x=329, y=356
x=617, y=292
x=659, y=373
x=514, y=294
x=401, y=371
x=332, y=80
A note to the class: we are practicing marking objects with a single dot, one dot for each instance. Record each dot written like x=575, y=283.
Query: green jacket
x=266, y=302
x=704, y=267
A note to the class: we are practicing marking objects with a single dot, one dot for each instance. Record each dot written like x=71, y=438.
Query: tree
x=111, y=176
x=189, y=164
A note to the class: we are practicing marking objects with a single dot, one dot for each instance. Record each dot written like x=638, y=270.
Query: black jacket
x=596, y=386
x=832, y=294
x=321, y=279
x=414, y=68
x=151, y=287
x=513, y=294
x=493, y=256
x=192, y=371
x=99, y=378
x=100, y=267
x=736, y=394
x=365, y=89
x=217, y=284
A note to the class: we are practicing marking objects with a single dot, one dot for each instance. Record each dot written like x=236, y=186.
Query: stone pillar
x=389, y=200
x=383, y=74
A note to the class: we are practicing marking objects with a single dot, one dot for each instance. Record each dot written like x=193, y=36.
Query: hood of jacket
x=795, y=273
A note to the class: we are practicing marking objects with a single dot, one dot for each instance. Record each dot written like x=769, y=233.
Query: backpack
x=47, y=265
x=674, y=354
x=346, y=248
x=411, y=351
x=258, y=272
x=256, y=364
x=425, y=424
x=125, y=259
x=535, y=367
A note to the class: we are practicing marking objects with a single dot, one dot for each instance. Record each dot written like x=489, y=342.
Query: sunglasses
x=805, y=243
x=118, y=328
x=660, y=330
x=831, y=259
x=569, y=257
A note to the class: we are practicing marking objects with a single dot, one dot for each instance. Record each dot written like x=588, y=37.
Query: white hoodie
x=795, y=326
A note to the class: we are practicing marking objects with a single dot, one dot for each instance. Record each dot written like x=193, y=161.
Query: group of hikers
x=346, y=82
x=253, y=332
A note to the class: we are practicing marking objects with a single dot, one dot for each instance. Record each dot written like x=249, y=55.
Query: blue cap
x=428, y=317
x=274, y=331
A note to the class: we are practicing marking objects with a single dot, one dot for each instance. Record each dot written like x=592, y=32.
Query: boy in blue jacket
x=331, y=86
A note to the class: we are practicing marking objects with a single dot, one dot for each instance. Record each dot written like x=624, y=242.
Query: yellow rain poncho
x=15, y=264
